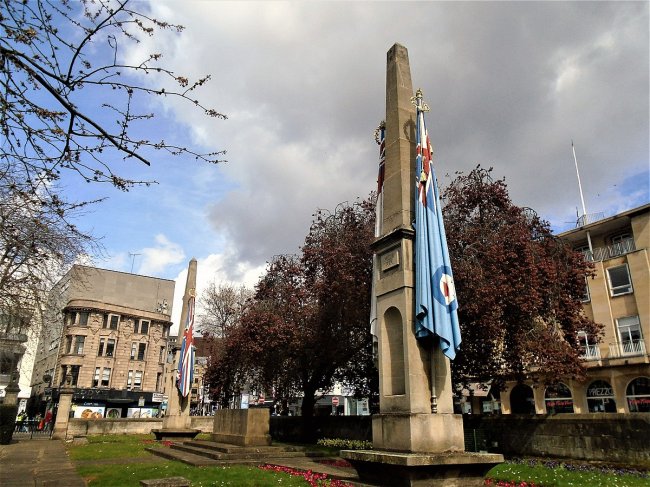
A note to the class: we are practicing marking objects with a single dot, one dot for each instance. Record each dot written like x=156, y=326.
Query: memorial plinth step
x=205, y=453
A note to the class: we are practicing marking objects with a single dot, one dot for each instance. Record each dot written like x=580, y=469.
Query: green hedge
x=7, y=422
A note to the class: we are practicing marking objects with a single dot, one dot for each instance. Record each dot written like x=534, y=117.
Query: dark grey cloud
x=509, y=85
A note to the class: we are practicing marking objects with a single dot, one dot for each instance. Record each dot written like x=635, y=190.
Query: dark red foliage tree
x=519, y=287
x=308, y=324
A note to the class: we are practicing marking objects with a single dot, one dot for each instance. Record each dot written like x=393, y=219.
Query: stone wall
x=203, y=423
x=127, y=426
x=288, y=428
x=612, y=438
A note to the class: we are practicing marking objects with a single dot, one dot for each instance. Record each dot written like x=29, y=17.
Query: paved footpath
x=41, y=462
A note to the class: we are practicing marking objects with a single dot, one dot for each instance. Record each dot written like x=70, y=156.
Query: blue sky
x=510, y=84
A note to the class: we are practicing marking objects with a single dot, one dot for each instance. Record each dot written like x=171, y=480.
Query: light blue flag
x=435, y=296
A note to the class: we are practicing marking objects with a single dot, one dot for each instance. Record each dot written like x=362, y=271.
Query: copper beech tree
x=308, y=323
x=519, y=287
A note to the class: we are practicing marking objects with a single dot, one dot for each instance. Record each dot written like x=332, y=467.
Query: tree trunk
x=308, y=430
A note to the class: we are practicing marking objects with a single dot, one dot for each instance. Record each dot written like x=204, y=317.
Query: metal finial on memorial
x=418, y=101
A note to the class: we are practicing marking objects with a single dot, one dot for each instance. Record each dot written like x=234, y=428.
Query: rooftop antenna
x=582, y=199
x=132, y=255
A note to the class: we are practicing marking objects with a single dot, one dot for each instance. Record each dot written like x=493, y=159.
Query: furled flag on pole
x=380, y=137
x=435, y=295
x=186, y=360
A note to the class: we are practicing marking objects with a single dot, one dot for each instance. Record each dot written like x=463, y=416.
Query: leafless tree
x=70, y=98
x=223, y=305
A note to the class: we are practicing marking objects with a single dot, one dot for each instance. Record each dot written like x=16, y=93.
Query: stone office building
x=618, y=296
x=105, y=334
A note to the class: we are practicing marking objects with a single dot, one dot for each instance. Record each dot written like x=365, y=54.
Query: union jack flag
x=186, y=360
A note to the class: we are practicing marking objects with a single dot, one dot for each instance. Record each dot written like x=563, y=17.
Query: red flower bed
x=313, y=478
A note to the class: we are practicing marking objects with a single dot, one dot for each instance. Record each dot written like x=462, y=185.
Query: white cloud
x=303, y=83
x=156, y=259
x=216, y=268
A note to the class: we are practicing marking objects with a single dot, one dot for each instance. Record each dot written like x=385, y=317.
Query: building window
x=165, y=331
x=589, y=348
x=111, y=321
x=134, y=349
x=106, y=377
x=161, y=354
x=558, y=399
x=140, y=326
x=137, y=380
x=142, y=347
x=74, y=373
x=638, y=395
x=106, y=347
x=622, y=243
x=600, y=397
x=158, y=377
x=68, y=344
x=629, y=334
x=134, y=380
x=79, y=318
x=79, y=344
x=586, y=296
x=619, y=280
x=83, y=318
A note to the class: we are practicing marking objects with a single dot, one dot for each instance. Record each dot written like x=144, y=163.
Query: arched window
x=638, y=395
x=600, y=397
x=522, y=400
x=558, y=399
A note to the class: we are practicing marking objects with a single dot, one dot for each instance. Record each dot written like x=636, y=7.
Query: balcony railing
x=590, y=352
x=603, y=253
x=627, y=349
x=589, y=218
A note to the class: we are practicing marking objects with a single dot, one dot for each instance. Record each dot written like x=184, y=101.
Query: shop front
x=114, y=404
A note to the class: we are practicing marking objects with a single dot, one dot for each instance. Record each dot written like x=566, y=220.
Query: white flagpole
x=582, y=198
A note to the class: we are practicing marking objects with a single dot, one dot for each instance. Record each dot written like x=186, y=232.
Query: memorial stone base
x=395, y=469
x=418, y=450
x=175, y=427
x=242, y=427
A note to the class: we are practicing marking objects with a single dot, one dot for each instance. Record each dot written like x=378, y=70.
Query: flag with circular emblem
x=435, y=296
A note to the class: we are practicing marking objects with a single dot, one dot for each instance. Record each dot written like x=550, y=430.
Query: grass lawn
x=121, y=460
x=560, y=475
x=106, y=475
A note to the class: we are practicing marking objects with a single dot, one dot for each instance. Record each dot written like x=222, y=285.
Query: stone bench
x=168, y=482
x=175, y=434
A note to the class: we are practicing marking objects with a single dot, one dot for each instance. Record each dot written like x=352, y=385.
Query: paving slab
x=41, y=463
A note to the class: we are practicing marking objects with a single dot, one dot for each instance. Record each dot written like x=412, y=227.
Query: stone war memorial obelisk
x=176, y=423
x=417, y=438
